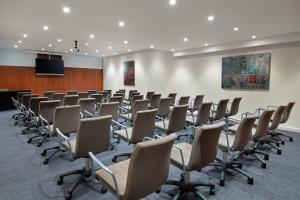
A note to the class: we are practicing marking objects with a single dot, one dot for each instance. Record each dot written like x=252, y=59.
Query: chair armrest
x=43, y=120
x=163, y=120
x=88, y=113
x=63, y=137
x=258, y=110
x=268, y=107
x=122, y=126
x=31, y=113
x=93, y=160
x=181, y=155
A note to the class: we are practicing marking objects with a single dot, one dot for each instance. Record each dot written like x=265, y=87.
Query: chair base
x=273, y=144
x=57, y=150
x=114, y=159
x=254, y=153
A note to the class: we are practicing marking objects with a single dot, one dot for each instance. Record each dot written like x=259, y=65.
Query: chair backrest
x=123, y=91
x=118, y=94
x=49, y=94
x=287, y=112
x=184, y=100
x=93, y=136
x=263, y=124
x=149, y=167
x=70, y=100
x=72, y=92
x=204, y=147
x=105, y=94
x=34, y=104
x=91, y=92
x=243, y=133
x=98, y=97
x=143, y=125
x=20, y=96
x=136, y=97
x=87, y=104
x=132, y=94
x=66, y=118
x=139, y=105
x=164, y=107
x=110, y=108
x=173, y=96
x=177, y=118
x=234, y=109
x=197, y=102
x=149, y=95
x=83, y=95
x=155, y=100
x=47, y=109
x=118, y=99
x=108, y=92
x=203, y=114
x=26, y=99
x=59, y=96
x=221, y=109
x=277, y=117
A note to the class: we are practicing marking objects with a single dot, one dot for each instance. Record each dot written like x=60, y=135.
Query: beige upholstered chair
x=98, y=98
x=70, y=100
x=133, y=94
x=60, y=97
x=93, y=135
x=183, y=100
x=196, y=103
x=25, y=107
x=18, y=104
x=91, y=92
x=155, y=101
x=235, y=143
x=219, y=112
x=88, y=107
x=194, y=157
x=138, y=105
x=49, y=94
x=111, y=108
x=118, y=99
x=66, y=119
x=173, y=97
x=144, y=173
x=72, y=92
x=108, y=92
x=164, y=107
x=149, y=95
x=143, y=126
x=175, y=122
x=83, y=95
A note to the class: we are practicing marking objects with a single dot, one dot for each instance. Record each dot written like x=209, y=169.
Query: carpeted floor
x=23, y=175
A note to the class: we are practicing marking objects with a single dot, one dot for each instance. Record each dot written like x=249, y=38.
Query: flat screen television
x=49, y=67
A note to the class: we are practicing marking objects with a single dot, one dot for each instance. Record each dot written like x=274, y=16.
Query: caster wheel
x=43, y=153
x=15, y=123
x=39, y=144
x=250, y=181
x=103, y=190
x=111, y=148
x=277, y=144
x=68, y=196
x=291, y=139
x=45, y=161
x=23, y=132
x=240, y=166
x=263, y=165
x=222, y=183
x=212, y=191
x=158, y=191
x=279, y=152
x=118, y=141
x=59, y=181
x=29, y=141
x=282, y=142
x=48, y=136
x=266, y=157
x=114, y=160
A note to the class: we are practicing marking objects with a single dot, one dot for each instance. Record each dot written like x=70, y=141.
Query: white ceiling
x=147, y=22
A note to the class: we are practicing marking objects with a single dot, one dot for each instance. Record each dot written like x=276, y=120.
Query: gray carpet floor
x=23, y=175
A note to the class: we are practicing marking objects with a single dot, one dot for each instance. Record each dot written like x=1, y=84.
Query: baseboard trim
x=291, y=129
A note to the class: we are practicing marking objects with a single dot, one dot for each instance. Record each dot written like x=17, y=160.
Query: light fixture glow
x=86, y=53
x=125, y=42
x=43, y=49
x=20, y=41
x=66, y=9
x=172, y=2
x=66, y=51
x=128, y=50
x=206, y=44
x=211, y=18
x=115, y=53
x=151, y=46
x=45, y=28
x=92, y=36
x=50, y=45
x=253, y=36
x=236, y=28
x=58, y=40
x=121, y=23
x=185, y=39
x=16, y=46
x=97, y=50
x=173, y=50
x=103, y=55
x=25, y=35
x=71, y=50
x=86, y=44
x=109, y=47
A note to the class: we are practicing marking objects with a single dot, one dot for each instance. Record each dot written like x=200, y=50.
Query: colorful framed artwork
x=129, y=73
x=246, y=72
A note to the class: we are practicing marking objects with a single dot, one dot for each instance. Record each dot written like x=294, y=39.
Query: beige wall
x=160, y=72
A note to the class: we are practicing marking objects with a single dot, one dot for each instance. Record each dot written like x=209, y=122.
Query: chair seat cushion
x=72, y=147
x=189, y=119
x=223, y=141
x=176, y=156
x=122, y=133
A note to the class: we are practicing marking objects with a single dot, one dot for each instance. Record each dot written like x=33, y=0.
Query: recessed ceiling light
x=66, y=9
x=97, y=50
x=128, y=50
x=172, y=2
x=185, y=39
x=45, y=28
x=173, y=50
x=253, y=36
x=92, y=36
x=206, y=44
x=50, y=45
x=71, y=50
x=211, y=18
x=43, y=49
x=115, y=53
x=16, y=46
x=103, y=55
x=58, y=40
x=236, y=28
x=25, y=35
x=121, y=23
x=151, y=46
x=86, y=53
x=66, y=51
x=20, y=41
x=86, y=44
x=109, y=47
x=125, y=42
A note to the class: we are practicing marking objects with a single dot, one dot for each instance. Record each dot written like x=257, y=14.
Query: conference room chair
x=144, y=173
x=133, y=99
x=60, y=97
x=25, y=108
x=234, y=108
x=173, y=97
x=118, y=99
x=164, y=107
x=70, y=100
x=229, y=143
x=91, y=92
x=93, y=135
x=195, y=103
x=154, y=102
x=219, y=110
x=175, y=122
x=18, y=104
x=49, y=94
x=66, y=119
x=98, y=98
x=119, y=94
x=72, y=92
x=142, y=126
x=88, y=107
x=194, y=157
x=83, y=95
x=183, y=100
x=110, y=108
x=123, y=91
x=149, y=95
x=131, y=96
x=108, y=92
x=259, y=132
x=137, y=105
x=105, y=94
x=46, y=118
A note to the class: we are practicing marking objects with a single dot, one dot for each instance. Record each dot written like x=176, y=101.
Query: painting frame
x=129, y=73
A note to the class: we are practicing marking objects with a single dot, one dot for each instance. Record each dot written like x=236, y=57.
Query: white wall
x=160, y=72
x=10, y=57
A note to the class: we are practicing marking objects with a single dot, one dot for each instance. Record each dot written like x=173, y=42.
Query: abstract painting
x=129, y=73
x=247, y=72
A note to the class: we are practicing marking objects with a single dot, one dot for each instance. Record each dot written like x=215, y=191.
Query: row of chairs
x=127, y=179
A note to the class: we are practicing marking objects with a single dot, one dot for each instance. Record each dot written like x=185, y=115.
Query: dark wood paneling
x=24, y=78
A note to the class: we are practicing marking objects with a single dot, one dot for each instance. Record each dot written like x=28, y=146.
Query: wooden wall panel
x=24, y=78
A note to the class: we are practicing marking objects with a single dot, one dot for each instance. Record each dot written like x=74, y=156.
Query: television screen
x=49, y=67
